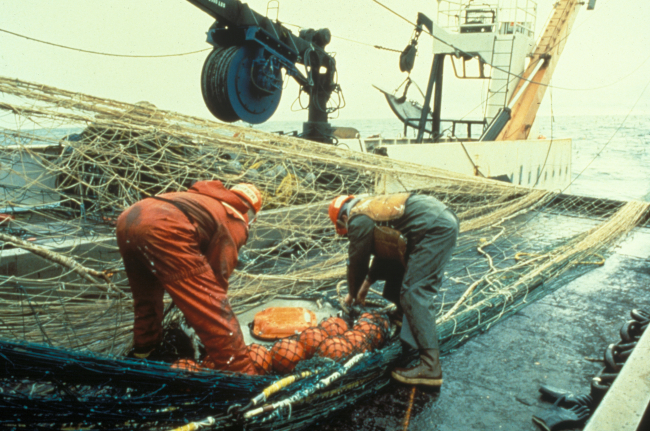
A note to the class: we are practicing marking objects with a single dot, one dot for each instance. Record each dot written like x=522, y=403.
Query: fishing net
x=335, y=347
x=334, y=326
x=286, y=354
x=380, y=319
x=311, y=338
x=375, y=334
x=261, y=357
x=358, y=340
x=71, y=163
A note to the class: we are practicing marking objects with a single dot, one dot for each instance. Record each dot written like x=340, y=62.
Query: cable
x=352, y=40
x=102, y=53
x=396, y=14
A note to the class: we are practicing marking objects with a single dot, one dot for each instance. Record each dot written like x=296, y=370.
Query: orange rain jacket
x=190, y=254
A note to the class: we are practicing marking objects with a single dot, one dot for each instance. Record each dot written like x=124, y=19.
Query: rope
x=599, y=262
x=407, y=415
x=277, y=407
x=196, y=425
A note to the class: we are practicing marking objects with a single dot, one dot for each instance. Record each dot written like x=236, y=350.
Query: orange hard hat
x=250, y=194
x=335, y=210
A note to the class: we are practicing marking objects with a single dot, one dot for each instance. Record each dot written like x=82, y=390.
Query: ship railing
x=489, y=16
x=451, y=130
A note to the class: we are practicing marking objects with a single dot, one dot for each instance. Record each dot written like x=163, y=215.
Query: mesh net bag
x=286, y=354
x=261, y=357
x=373, y=331
x=380, y=319
x=334, y=326
x=358, y=340
x=311, y=338
x=336, y=347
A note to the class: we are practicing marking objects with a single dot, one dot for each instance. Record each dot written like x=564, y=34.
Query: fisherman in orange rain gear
x=410, y=239
x=187, y=244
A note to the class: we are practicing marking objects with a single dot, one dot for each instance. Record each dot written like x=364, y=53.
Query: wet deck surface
x=492, y=381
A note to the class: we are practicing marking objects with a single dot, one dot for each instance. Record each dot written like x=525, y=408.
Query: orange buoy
x=334, y=326
x=261, y=357
x=310, y=339
x=186, y=364
x=373, y=331
x=381, y=319
x=336, y=347
x=358, y=340
x=285, y=355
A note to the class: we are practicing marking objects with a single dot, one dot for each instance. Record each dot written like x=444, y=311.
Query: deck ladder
x=500, y=80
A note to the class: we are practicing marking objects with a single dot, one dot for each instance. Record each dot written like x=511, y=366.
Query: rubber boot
x=428, y=372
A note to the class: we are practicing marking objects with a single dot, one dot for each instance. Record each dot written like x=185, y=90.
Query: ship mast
x=528, y=95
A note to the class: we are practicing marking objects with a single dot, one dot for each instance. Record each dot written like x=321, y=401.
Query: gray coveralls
x=431, y=230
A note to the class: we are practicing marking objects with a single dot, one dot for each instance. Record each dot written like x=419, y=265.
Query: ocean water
x=611, y=154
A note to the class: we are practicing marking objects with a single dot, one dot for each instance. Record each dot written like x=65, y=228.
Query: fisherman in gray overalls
x=411, y=238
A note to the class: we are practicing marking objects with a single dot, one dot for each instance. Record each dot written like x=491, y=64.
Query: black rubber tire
x=214, y=83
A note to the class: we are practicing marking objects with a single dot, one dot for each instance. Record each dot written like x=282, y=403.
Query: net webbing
x=72, y=162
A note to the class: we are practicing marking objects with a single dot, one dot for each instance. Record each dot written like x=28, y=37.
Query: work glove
x=568, y=399
x=558, y=417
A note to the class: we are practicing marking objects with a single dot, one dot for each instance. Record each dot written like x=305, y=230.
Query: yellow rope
x=599, y=262
x=407, y=416
x=193, y=426
x=283, y=383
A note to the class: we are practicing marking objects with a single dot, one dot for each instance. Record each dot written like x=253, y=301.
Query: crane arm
x=547, y=53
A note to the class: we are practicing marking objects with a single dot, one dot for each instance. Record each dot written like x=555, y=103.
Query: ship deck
x=492, y=381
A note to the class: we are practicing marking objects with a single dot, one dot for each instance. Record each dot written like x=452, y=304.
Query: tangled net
x=72, y=162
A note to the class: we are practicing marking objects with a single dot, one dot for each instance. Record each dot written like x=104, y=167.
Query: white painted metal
x=541, y=164
x=500, y=32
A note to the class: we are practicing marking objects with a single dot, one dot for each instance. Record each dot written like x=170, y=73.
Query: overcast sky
x=603, y=70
